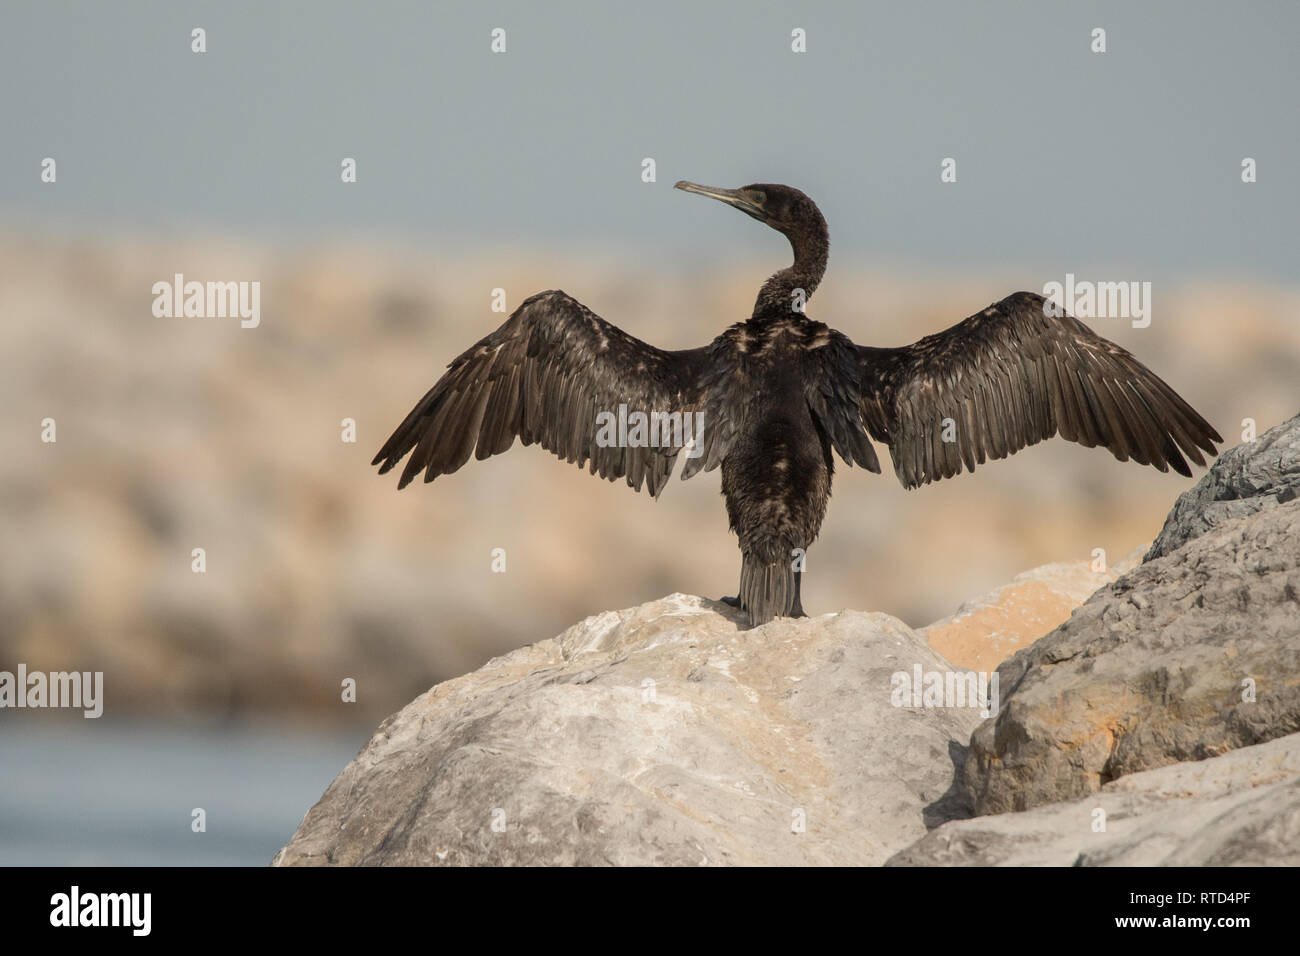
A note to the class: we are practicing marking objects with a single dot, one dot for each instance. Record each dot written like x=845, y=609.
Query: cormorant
x=779, y=391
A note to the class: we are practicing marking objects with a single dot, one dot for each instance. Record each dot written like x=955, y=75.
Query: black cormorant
x=779, y=391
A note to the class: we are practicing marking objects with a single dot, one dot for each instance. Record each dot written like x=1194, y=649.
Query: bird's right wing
x=1009, y=377
x=545, y=376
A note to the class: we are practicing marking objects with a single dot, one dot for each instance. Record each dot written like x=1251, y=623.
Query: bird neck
x=788, y=291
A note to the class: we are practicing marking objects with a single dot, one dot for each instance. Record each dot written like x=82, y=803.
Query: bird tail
x=768, y=589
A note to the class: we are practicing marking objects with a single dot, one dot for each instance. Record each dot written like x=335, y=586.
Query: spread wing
x=1008, y=377
x=544, y=376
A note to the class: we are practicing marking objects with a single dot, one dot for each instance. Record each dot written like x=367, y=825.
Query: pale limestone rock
x=662, y=734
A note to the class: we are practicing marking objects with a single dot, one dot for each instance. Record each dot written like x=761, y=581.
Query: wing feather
x=1008, y=377
x=544, y=377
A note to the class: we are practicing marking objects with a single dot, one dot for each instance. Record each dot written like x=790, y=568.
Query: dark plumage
x=779, y=391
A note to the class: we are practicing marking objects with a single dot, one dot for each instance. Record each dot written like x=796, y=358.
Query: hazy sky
x=1065, y=158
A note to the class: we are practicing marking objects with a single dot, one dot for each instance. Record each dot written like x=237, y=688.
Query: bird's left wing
x=545, y=376
x=1010, y=376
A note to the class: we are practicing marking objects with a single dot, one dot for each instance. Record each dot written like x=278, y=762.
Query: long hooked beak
x=732, y=197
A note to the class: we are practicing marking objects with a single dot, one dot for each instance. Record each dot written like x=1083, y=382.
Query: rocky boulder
x=1242, y=808
x=1192, y=654
x=985, y=631
x=1257, y=476
x=662, y=734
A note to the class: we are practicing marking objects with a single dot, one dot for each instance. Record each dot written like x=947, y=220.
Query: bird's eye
x=759, y=197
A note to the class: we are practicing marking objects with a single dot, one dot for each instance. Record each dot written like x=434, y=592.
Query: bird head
x=784, y=208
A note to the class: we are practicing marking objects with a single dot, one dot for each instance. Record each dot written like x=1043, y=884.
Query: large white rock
x=662, y=734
